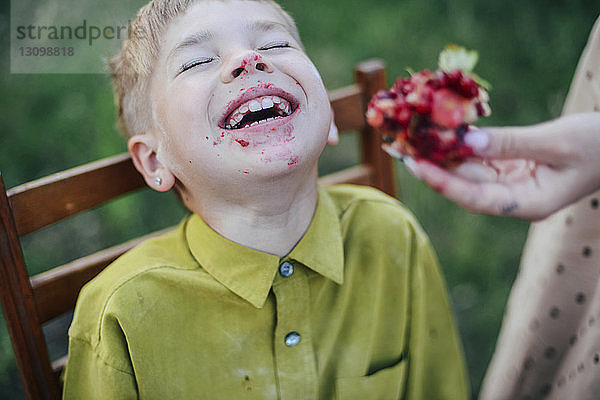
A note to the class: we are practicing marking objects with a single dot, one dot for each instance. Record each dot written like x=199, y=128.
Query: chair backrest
x=29, y=302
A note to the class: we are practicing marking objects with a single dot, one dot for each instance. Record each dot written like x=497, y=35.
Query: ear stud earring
x=158, y=180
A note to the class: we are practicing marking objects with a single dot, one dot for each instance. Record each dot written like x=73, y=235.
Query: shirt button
x=286, y=269
x=292, y=339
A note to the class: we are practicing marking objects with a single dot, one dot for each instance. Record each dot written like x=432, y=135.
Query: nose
x=243, y=64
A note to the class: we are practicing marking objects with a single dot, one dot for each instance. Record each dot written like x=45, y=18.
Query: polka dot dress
x=549, y=345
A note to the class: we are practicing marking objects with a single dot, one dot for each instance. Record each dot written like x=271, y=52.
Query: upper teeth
x=257, y=104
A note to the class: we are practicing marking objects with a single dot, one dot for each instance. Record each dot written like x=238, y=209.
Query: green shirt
x=357, y=310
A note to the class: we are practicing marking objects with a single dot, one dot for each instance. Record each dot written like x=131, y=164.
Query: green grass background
x=528, y=51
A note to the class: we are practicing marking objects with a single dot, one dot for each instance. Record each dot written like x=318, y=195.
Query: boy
x=273, y=288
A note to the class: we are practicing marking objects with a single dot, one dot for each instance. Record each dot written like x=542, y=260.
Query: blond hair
x=132, y=68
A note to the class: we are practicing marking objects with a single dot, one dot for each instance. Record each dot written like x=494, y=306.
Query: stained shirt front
x=357, y=310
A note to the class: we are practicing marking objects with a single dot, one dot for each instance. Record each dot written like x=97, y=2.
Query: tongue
x=258, y=116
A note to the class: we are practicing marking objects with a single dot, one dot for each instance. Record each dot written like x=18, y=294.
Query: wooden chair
x=30, y=302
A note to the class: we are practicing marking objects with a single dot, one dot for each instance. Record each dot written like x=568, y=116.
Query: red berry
x=469, y=88
x=448, y=108
x=426, y=115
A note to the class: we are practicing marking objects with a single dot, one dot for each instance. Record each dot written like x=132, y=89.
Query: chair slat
x=18, y=306
x=359, y=175
x=55, y=291
x=371, y=77
x=45, y=201
x=348, y=107
x=58, y=367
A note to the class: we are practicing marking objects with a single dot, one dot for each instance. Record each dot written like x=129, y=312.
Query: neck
x=270, y=216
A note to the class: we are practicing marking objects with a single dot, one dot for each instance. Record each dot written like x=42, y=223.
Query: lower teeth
x=253, y=123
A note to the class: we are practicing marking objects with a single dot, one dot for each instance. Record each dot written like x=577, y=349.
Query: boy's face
x=235, y=96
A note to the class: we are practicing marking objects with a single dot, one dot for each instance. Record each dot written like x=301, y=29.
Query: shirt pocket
x=385, y=384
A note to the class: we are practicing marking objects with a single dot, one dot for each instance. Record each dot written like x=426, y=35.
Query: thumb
x=535, y=142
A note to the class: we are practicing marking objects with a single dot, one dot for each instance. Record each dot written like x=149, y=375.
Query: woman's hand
x=527, y=172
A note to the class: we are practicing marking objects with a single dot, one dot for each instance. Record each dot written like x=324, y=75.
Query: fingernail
x=477, y=139
x=411, y=164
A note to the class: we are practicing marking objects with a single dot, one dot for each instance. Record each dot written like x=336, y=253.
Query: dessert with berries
x=426, y=115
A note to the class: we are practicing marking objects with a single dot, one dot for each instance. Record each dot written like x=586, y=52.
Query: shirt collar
x=249, y=273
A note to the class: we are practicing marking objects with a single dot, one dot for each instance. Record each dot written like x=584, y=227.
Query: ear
x=143, y=153
x=333, y=136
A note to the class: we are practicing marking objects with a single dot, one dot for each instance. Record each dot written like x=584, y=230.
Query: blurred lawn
x=528, y=51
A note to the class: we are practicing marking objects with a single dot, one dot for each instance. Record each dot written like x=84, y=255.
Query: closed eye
x=275, y=45
x=194, y=63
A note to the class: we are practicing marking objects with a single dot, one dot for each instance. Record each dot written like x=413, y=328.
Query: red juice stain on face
x=218, y=141
x=242, y=142
x=289, y=132
x=243, y=69
x=293, y=160
x=250, y=59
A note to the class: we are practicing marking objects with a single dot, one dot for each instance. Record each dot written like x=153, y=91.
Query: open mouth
x=258, y=110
